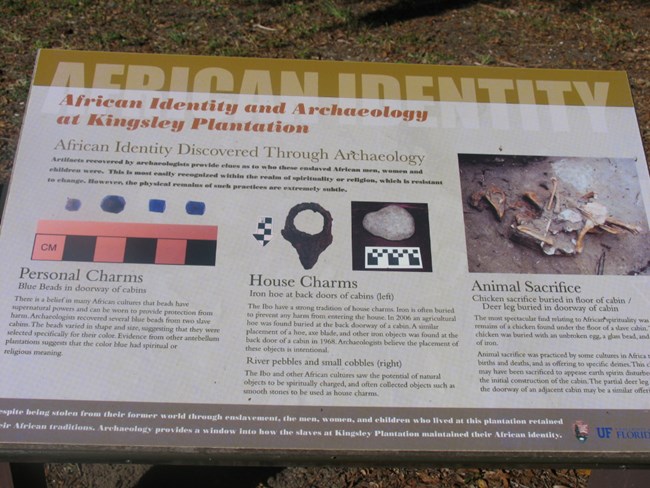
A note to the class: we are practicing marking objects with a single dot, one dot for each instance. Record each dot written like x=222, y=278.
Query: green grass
x=342, y=14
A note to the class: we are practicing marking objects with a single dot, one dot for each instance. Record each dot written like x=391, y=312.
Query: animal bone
x=532, y=197
x=634, y=229
x=597, y=216
x=550, y=202
x=581, y=236
x=534, y=234
x=595, y=212
x=475, y=199
x=497, y=198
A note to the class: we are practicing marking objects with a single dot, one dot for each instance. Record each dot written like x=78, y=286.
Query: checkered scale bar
x=264, y=232
x=393, y=258
x=103, y=242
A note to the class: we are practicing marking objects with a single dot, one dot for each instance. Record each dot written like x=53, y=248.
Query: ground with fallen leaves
x=587, y=34
x=141, y=476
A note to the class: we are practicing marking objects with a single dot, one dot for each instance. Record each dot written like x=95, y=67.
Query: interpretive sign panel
x=217, y=258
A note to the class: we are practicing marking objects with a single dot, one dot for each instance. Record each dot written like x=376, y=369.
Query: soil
x=578, y=34
x=145, y=476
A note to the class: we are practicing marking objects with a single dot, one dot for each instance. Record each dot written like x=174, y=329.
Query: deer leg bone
x=534, y=234
x=581, y=236
x=609, y=229
x=635, y=229
x=550, y=202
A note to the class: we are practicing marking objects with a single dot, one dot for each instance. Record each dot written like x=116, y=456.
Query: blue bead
x=113, y=203
x=73, y=204
x=157, y=205
x=195, y=208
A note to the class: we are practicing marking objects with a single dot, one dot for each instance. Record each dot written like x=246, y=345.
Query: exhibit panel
x=235, y=257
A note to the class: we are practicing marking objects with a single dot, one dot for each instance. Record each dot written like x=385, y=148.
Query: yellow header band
x=256, y=76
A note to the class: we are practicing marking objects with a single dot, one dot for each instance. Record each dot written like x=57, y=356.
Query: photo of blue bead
x=195, y=208
x=113, y=204
x=72, y=204
x=157, y=205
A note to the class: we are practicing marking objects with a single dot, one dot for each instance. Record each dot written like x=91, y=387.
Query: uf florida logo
x=604, y=432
